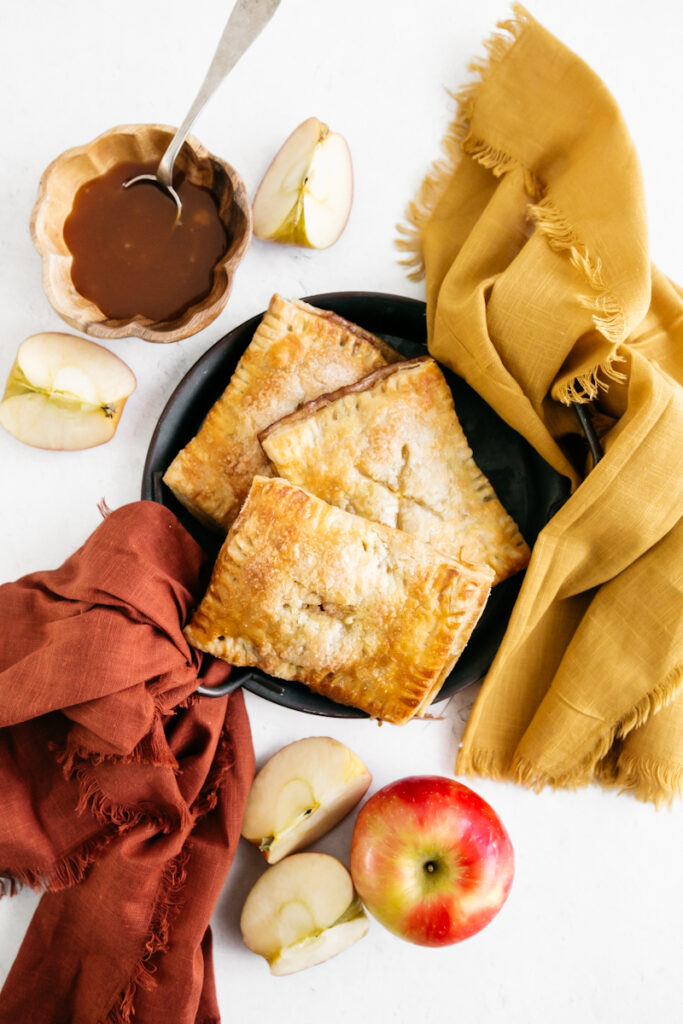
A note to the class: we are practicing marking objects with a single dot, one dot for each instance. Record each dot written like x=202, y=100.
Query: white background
x=592, y=929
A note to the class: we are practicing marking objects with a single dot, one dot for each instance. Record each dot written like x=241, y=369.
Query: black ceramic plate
x=526, y=485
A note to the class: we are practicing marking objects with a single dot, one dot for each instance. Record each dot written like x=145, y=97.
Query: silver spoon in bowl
x=245, y=23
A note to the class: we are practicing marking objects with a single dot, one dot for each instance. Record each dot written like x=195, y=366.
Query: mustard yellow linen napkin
x=532, y=235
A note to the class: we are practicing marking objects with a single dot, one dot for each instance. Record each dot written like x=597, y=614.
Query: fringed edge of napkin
x=169, y=898
x=166, y=908
x=648, y=781
x=114, y=817
x=64, y=874
x=607, y=315
x=458, y=139
x=117, y=819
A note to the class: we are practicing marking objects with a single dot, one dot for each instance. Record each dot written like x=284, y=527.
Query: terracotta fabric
x=532, y=233
x=122, y=792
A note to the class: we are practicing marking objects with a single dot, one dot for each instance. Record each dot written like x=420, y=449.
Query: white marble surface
x=592, y=928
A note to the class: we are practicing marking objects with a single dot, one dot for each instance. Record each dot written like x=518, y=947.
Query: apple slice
x=301, y=912
x=305, y=196
x=301, y=793
x=64, y=392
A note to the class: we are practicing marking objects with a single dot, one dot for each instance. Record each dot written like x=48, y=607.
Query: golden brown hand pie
x=297, y=353
x=391, y=448
x=356, y=610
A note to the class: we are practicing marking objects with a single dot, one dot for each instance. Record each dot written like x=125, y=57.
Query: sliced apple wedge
x=301, y=792
x=306, y=193
x=301, y=912
x=64, y=392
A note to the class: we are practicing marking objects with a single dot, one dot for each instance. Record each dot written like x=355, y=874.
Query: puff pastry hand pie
x=297, y=353
x=391, y=448
x=356, y=610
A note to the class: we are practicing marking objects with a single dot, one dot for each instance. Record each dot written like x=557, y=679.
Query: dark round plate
x=527, y=486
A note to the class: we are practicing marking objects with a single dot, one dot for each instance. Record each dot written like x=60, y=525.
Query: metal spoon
x=246, y=21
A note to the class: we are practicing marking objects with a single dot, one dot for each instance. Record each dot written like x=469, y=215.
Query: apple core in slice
x=302, y=792
x=306, y=193
x=64, y=392
x=301, y=912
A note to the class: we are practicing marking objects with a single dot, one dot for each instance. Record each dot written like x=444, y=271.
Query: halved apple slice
x=301, y=912
x=301, y=793
x=64, y=392
x=306, y=194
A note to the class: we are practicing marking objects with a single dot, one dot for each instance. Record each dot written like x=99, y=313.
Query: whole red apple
x=431, y=860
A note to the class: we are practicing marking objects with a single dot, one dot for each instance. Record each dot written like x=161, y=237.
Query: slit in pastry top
x=297, y=353
x=390, y=448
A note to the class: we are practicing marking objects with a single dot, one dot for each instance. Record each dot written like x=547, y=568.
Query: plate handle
x=586, y=423
x=238, y=677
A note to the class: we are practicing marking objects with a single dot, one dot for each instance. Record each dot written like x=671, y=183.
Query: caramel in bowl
x=62, y=205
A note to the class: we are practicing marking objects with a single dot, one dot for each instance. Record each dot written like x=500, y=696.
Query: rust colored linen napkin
x=532, y=235
x=122, y=792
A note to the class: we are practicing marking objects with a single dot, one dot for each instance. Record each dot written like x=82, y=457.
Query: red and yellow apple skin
x=431, y=860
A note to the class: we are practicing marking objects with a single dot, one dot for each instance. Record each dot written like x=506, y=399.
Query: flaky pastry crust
x=391, y=448
x=360, y=612
x=297, y=353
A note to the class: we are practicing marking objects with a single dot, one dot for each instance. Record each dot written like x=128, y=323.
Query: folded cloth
x=122, y=792
x=531, y=232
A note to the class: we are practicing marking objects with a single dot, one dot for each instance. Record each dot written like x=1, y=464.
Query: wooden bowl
x=142, y=142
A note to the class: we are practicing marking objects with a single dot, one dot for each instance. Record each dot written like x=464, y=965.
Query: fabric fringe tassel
x=649, y=781
x=73, y=754
x=77, y=762
x=486, y=763
x=607, y=316
x=103, y=508
x=458, y=138
x=105, y=810
x=526, y=774
x=223, y=762
x=67, y=872
x=147, y=752
x=644, y=778
x=658, y=698
x=615, y=771
x=169, y=898
x=421, y=208
x=167, y=905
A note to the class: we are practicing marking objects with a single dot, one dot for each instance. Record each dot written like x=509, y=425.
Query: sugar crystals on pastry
x=360, y=612
x=297, y=353
x=390, y=448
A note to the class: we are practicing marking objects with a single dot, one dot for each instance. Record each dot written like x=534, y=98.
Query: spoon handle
x=246, y=21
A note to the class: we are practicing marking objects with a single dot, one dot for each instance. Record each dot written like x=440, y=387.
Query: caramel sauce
x=130, y=257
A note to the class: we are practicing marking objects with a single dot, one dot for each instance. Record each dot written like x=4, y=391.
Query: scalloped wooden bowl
x=58, y=187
